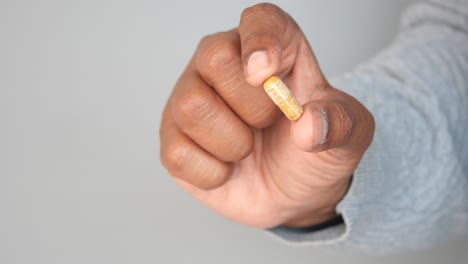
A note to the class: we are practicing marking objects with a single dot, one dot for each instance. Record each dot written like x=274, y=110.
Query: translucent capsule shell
x=283, y=98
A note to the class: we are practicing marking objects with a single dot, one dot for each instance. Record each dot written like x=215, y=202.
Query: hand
x=225, y=142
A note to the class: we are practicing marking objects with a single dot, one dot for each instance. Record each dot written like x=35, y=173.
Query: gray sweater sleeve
x=410, y=190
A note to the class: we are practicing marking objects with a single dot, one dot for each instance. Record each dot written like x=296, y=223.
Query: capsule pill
x=283, y=98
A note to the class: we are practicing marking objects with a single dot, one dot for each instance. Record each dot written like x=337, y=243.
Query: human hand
x=224, y=141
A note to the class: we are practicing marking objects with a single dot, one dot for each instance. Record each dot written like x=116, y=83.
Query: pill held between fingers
x=283, y=98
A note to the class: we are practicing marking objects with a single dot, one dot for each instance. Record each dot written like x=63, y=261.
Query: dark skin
x=224, y=141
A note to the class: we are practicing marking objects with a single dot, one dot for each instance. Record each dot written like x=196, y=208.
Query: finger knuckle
x=192, y=108
x=217, y=53
x=206, y=41
x=174, y=157
x=261, y=8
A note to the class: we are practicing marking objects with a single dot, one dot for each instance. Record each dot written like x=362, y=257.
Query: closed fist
x=226, y=142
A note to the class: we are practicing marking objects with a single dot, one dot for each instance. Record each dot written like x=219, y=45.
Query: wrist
x=306, y=217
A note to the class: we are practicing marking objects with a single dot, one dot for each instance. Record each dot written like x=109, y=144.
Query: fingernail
x=321, y=127
x=257, y=61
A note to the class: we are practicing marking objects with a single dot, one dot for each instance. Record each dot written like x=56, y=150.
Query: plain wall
x=82, y=87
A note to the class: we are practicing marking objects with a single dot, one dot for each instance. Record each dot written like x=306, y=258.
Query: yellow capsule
x=283, y=98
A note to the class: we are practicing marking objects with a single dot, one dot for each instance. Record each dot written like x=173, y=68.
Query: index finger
x=269, y=41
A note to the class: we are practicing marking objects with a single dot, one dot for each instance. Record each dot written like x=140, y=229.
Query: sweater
x=410, y=189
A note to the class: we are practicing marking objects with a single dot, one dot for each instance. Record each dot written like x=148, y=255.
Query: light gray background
x=82, y=86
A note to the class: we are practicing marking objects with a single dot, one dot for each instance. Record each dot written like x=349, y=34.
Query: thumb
x=337, y=122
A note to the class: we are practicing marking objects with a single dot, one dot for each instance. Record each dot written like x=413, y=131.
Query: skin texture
x=224, y=141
